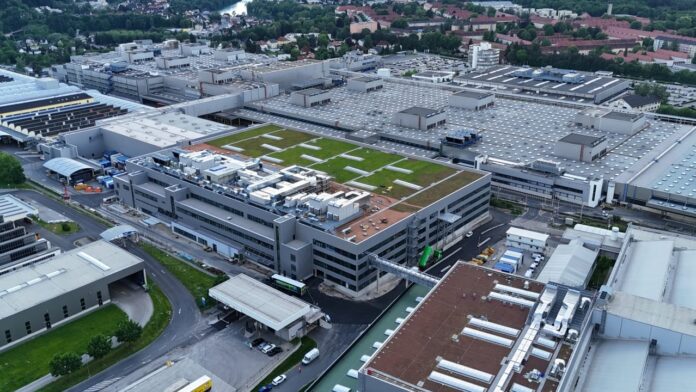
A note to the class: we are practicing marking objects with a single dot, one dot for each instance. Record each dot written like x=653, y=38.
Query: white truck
x=310, y=356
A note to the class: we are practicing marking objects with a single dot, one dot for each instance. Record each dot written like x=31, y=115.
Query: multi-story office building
x=324, y=220
x=483, y=56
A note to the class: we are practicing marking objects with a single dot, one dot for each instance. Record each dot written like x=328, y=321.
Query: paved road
x=186, y=325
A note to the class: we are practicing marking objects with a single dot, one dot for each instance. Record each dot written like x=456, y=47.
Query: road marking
x=102, y=385
x=484, y=241
x=451, y=254
x=446, y=268
x=179, y=310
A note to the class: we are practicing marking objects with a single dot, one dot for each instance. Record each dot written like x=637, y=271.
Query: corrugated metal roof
x=527, y=234
x=65, y=166
x=570, y=265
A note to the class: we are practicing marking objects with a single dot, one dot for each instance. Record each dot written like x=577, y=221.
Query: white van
x=310, y=356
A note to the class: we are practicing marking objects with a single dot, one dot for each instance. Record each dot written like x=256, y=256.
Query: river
x=237, y=8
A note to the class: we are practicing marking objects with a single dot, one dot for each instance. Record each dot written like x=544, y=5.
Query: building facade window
x=82, y=304
x=99, y=298
x=65, y=311
x=47, y=320
x=8, y=336
x=27, y=326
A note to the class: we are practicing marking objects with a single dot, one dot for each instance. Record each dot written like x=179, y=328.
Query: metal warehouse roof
x=35, y=284
x=259, y=301
x=12, y=208
x=117, y=232
x=569, y=264
x=65, y=166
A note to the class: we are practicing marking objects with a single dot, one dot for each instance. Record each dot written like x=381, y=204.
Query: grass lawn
x=372, y=160
x=60, y=227
x=29, y=361
x=444, y=188
x=162, y=313
x=244, y=135
x=328, y=148
x=293, y=156
x=252, y=147
x=196, y=281
x=424, y=173
x=306, y=344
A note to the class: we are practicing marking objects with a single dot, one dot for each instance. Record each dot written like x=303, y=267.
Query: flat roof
x=434, y=330
x=163, y=129
x=259, y=301
x=309, y=92
x=646, y=268
x=503, y=76
x=421, y=111
x=513, y=130
x=366, y=79
x=12, y=208
x=585, y=140
x=617, y=357
x=37, y=283
x=625, y=116
x=473, y=94
x=527, y=234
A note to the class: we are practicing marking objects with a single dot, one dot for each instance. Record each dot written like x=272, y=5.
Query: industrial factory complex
x=305, y=205
x=335, y=181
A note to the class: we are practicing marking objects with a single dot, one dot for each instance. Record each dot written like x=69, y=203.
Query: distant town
x=317, y=196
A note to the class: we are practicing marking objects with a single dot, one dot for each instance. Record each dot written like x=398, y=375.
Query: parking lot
x=224, y=355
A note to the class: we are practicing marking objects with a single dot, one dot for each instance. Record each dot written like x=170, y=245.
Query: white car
x=268, y=348
x=469, y=234
x=279, y=380
x=529, y=273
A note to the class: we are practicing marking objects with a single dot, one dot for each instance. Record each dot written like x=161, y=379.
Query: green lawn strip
x=293, y=156
x=236, y=137
x=306, y=344
x=59, y=227
x=196, y=281
x=384, y=181
x=424, y=173
x=254, y=147
x=162, y=313
x=29, y=361
x=328, y=148
x=442, y=189
x=404, y=207
x=373, y=160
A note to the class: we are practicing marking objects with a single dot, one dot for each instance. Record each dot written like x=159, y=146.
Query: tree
x=11, y=171
x=549, y=30
x=128, y=331
x=489, y=36
x=99, y=346
x=490, y=12
x=636, y=25
x=655, y=89
x=648, y=42
x=399, y=24
x=64, y=364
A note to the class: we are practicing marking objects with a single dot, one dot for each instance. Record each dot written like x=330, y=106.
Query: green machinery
x=428, y=257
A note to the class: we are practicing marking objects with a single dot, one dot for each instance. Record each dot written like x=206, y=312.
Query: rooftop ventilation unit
x=488, y=337
x=465, y=371
x=454, y=383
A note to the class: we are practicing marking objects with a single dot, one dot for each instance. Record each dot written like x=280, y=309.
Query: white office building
x=526, y=240
x=483, y=56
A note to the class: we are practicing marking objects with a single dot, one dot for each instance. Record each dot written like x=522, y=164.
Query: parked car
x=263, y=346
x=529, y=273
x=256, y=342
x=534, y=265
x=279, y=380
x=268, y=348
x=275, y=351
x=469, y=234
x=266, y=388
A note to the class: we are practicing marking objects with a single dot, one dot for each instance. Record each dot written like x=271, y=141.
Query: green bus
x=288, y=284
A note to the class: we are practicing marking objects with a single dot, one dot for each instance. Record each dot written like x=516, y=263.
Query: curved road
x=185, y=326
